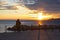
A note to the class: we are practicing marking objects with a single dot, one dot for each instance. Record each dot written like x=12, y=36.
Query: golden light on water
x=42, y=17
x=40, y=22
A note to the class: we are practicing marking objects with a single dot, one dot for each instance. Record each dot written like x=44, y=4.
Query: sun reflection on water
x=40, y=22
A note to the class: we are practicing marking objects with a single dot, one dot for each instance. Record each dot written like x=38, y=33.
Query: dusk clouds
x=29, y=9
x=9, y=4
x=48, y=5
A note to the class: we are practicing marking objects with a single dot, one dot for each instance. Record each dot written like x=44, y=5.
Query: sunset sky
x=29, y=9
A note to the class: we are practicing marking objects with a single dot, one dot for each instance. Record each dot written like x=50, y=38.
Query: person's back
x=18, y=22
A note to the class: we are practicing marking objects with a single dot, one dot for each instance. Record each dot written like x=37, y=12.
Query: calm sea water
x=10, y=23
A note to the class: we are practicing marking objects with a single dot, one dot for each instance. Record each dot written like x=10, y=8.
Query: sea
x=4, y=24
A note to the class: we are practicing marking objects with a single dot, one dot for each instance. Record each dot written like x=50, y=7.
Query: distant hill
x=52, y=21
x=55, y=19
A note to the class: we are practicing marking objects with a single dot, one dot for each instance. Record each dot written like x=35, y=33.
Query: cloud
x=8, y=4
x=48, y=5
x=2, y=3
x=8, y=8
x=2, y=8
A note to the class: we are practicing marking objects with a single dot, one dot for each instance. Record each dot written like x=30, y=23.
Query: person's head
x=17, y=19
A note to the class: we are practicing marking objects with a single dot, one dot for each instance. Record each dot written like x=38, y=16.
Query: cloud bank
x=48, y=5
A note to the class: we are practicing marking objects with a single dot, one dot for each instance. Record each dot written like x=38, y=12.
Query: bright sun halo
x=40, y=16
x=43, y=17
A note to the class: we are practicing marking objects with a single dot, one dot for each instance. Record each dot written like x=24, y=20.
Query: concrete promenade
x=31, y=35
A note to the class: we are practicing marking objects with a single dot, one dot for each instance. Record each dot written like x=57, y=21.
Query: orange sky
x=24, y=13
x=13, y=14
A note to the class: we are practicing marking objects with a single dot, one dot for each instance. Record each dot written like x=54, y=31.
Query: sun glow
x=41, y=16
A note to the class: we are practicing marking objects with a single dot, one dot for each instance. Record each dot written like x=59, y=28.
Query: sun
x=40, y=16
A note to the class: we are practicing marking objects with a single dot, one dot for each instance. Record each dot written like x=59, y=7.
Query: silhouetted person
x=18, y=23
x=17, y=26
